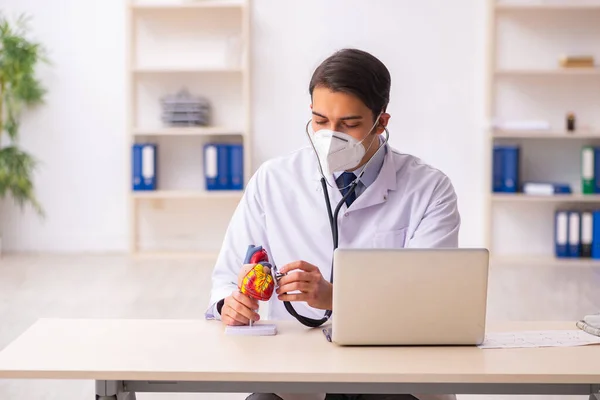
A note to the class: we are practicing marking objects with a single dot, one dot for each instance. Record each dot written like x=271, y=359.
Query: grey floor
x=117, y=287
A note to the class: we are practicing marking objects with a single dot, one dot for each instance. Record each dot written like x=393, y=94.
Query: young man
x=398, y=200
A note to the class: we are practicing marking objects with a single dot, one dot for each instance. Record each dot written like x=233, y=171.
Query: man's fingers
x=238, y=311
x=304, y=266
x=242, y=309
x=293, y=286
x=227, y=320
x=299, y=276
x=290, y=267
x=248, y=301
x=245, y=311
x=238, y=318
x=293, y=297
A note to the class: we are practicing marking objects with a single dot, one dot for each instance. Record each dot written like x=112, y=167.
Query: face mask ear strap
x=378, y=122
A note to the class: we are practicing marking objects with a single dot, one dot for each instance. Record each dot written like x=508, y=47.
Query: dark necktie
x=347, y=179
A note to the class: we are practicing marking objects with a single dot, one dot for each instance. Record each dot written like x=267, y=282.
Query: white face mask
x=338, y=151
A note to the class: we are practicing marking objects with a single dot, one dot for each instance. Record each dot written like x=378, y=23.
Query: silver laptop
x=409, y=296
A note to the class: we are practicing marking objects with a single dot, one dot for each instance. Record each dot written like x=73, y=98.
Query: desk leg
x=112, y=390
x=120, y=396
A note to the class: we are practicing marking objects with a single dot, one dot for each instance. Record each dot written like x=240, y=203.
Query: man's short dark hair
x=358, y=73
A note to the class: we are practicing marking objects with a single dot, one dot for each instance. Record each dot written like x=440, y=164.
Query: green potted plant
x=19, y=89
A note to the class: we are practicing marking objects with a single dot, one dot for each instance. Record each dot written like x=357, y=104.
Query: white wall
x=79, y=134
x=435, y=53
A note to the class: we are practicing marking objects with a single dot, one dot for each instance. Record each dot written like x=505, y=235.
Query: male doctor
x=398, y=201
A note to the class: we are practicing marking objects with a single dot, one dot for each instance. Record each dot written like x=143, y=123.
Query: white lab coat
x=410, y=204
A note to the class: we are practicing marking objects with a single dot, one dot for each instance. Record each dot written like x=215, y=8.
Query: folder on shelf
x=587, y=170
x=506, y=169
x=596, y=234
x=144, y=166
x=587, y=234
x=596, y=176
x=574, y=234
x=497, y=168
x=546, y=188
x=236, y=166
x=216, y=166
x=561, y=233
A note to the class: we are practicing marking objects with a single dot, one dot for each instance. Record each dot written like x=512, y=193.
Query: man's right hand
x=238, y=309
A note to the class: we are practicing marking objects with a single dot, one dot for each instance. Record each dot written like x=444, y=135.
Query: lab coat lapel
x=335, y=196
x=377, y=192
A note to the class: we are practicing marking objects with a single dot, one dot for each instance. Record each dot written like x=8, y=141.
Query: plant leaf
x=19, y=88
x=16, y=177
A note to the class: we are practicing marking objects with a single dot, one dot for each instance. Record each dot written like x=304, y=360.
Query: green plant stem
x=2, y=83
x=19, y=89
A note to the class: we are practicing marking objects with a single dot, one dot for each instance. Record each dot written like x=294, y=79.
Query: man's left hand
x=306, y=278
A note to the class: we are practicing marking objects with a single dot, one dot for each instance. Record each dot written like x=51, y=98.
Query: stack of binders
x=224, y=166
x=546, y=188
x=577, y=234
x=183, y=109
x=144, y=166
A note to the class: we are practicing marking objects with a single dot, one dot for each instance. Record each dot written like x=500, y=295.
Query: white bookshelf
x=525, y=82
x=202, y=46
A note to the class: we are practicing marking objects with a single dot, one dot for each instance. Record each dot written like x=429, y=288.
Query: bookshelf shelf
x=541, y=72
x=540, y=6
x=184, y=255
x=187, y=5
x=557, y=198
x=192, y=131
x=552, y=135
x=542, y=261
x=186, y=70
x=188, y=194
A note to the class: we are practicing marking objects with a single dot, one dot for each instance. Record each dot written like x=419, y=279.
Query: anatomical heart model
x=256, y=278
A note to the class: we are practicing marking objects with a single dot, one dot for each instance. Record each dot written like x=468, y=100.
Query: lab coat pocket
x=390, y=239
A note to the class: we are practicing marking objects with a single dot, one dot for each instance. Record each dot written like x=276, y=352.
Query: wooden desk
x=195, y=356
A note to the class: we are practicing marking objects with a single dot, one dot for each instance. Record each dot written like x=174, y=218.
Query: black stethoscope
x=333, y=218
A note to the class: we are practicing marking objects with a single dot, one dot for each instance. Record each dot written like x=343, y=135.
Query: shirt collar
x=371, y=169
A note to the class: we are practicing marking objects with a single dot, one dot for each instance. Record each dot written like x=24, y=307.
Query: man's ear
x=383, y=122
